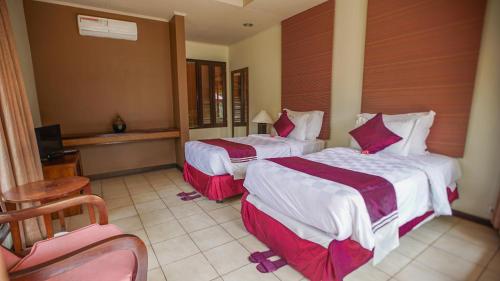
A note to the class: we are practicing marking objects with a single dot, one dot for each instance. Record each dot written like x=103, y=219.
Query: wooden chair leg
x=47, y=220
x=88, y=190
x=62, y=221
x=15, y=230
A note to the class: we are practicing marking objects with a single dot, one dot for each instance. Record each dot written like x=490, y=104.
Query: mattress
x=420, y=184
x=213, y=160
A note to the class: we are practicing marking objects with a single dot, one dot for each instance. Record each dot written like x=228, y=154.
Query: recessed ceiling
x=211, y=21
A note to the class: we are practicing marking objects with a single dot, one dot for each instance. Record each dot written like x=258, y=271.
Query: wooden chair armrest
x=53, y=207
x=82, y=256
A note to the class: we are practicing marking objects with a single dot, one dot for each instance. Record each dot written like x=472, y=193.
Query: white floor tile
x=419, y=272
x=129, y=224
x=489, y=275
x=144, y=197
x=175, y=249
x=393, y=263
x=367, y=272
x=235, y=228
x=152, y=260
x=480, y=254
x=224, y=214
x=227, y=257
x=164, y=231
x=287, y=273
x=252, y=244
x=197, y=222
x=249, y=273
x=211, y=237
x=156, y=217
x=122, y=212
x=494, y=264
x=156, y=275
x=194, y=268
x=186, y=210
x=410, y=247
x=118, y=202
x=448, y=264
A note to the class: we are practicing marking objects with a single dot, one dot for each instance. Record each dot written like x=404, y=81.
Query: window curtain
x=19, y=158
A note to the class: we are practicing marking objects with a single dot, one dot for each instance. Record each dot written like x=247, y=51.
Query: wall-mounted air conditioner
x=101, y=27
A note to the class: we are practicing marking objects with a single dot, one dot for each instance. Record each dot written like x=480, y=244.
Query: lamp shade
x=262, y=117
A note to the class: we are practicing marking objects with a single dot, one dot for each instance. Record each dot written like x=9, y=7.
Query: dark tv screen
x=49, y=141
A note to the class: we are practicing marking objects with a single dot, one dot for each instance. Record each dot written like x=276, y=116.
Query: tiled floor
x=203, y=240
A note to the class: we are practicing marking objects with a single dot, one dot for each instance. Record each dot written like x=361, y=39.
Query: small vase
x=119, y=125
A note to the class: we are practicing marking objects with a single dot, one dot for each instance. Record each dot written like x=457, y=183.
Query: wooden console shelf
x=115, y=138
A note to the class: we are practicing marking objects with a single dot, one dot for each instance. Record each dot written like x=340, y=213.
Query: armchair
x=96, y=252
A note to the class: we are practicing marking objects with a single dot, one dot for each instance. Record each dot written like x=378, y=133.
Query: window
x=239, y=86
x=206, y=94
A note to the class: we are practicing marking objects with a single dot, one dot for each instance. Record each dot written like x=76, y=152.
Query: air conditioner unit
x=108, y=28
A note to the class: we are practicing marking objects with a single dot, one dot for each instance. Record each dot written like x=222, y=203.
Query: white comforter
x=213, y=160
x=339, y=210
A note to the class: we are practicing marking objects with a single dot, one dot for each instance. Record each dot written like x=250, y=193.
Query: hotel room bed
x=325, y=228
x=214, y=174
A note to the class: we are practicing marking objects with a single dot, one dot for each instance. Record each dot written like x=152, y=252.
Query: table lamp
x=262, y=119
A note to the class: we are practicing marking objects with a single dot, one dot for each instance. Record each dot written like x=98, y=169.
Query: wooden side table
x=67, y=166
x=43, y=191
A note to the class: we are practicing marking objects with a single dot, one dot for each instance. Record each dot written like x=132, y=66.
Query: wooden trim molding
x=179, y=83
x=421, y=56
x=133, y=136
x=472, y=218
x=133, y=171
x=306, y=51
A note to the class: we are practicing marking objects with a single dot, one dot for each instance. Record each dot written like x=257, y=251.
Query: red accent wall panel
x=307, y=47
x=422, y=55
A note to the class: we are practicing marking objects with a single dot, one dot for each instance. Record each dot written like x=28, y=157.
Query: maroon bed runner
x=238, y=152
x=378, y=193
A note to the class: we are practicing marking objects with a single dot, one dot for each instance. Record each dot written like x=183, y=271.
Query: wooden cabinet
x=68, y=166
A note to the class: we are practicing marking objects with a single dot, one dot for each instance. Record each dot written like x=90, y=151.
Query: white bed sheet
x=302, y=230
x=340, y=210
x=213, y=160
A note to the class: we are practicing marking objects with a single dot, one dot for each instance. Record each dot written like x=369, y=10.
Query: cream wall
x=204, y=51
x=348, y=60
x=16, y=13
x=262, y=55
x=481, y=163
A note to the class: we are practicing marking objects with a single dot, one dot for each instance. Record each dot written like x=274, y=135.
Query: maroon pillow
x=284, y=126
x=374, y=136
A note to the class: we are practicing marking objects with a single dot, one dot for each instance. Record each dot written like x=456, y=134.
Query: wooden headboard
x=420, y=56
x=307, y=47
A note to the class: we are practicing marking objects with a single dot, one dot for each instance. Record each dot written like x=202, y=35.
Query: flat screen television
x=49, y=142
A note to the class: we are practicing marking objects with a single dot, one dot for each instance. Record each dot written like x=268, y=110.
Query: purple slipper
x=267, y=266
x=182, y=194
x=189, y=198
x=258, y=257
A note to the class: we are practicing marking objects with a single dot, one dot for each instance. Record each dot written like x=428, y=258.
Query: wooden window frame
x=199, y=101
x=245, y=102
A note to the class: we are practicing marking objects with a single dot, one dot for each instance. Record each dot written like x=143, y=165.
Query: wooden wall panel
x=420, y=56
x=83, y=82
x=307, y=47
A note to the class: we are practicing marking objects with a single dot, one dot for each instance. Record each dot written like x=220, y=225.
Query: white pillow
x=300, y=122
x=423, y=124
x=314, y=123
x=402, y=128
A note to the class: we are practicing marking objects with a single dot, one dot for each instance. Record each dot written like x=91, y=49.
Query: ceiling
x=211, y=21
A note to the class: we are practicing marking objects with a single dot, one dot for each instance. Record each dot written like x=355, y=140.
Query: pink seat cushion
x=284, y=126
x=9, y=258
x=113, y=266
x=374, y=136
x=52, y=248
